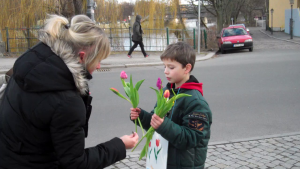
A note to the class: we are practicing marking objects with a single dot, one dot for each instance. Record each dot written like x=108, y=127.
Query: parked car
x=241, y=25
x=234, y=37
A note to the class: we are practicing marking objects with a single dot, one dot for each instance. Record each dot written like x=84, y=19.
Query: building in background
x=279, y=17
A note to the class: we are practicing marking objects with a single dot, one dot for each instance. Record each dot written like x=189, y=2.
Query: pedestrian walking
x=47, y=105
x=137, y=37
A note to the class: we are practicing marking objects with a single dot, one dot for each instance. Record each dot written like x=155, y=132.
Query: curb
x=3, y=71
x=280, y=38
x=253, y=138
x=237, y=140
x=206, y=57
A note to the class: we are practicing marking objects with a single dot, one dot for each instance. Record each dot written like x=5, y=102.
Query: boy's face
x=175, y=73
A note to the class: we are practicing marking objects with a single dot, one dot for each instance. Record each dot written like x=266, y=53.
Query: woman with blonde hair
x=46, y=107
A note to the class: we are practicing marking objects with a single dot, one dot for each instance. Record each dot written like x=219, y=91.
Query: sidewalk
x=282, y=36
x=117, y=60
x=275, y=151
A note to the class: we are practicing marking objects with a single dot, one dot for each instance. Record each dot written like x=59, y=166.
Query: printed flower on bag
x=156, y=150
x=150, y=150
x=157, y=142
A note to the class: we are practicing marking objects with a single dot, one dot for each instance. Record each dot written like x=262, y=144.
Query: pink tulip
x=158, y=83
x=167, y=94
x=123, y=75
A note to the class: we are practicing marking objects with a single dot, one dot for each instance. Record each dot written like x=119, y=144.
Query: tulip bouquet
x=163, y=106
x=131, y=92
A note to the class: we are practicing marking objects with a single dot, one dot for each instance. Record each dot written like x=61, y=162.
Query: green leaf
x=138, y=84
x=182, y=95
x=158, y=151
x=136, y=97
x=127, y=91
x=132, y=95
x=120, y=95
x=143, y=153
x=158, y=98
x=150, y=153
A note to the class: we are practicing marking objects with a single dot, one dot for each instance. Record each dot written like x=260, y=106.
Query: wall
x=296, y=24
x=279, y=7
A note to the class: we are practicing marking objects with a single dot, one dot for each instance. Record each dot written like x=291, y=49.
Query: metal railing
x=18, y=40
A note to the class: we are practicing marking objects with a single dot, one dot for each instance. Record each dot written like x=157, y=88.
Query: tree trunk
x=68, y=8
x=78, y=7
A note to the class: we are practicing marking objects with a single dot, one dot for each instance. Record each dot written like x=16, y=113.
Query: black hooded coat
x=43, y=118
x=137, y=30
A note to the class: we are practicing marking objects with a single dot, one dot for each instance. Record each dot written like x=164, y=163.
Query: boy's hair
x=180, y=52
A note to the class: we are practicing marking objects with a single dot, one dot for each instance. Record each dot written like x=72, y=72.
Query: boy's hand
x=156, y=121
x=134, y=113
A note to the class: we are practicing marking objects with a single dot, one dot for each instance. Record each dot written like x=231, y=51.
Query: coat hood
x=41, y=70
x=138, y=18
x=191, y=84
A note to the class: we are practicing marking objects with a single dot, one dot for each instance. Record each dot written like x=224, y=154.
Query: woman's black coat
x=43, y=118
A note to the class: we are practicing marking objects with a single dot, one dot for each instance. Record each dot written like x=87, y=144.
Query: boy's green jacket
x=188, y=129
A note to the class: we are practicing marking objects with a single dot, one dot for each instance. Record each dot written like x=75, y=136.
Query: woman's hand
x=134, y=113
x=156, y=121
x=130, y=140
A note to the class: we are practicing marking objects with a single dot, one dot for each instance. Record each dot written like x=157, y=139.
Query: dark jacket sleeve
x=187, y=136
x=68, y=139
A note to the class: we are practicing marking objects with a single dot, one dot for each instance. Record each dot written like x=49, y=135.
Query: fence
x=18, y=40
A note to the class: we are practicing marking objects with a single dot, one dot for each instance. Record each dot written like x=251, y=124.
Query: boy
x=187, y=125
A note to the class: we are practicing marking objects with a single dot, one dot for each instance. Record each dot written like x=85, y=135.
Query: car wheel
x=223, y=51
x=250, y=49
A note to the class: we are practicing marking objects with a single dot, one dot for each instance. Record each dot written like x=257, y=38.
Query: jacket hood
x=41, y=70
x=138, y=18
x=191, y=84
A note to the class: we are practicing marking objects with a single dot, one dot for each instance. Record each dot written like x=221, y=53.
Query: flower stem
x=141, y=125
x=151, y=129
x=135, y=126
x=138, y=143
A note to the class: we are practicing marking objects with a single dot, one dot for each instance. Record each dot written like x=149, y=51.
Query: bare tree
x=127, y=9
x=249, y=9
x=69, y=8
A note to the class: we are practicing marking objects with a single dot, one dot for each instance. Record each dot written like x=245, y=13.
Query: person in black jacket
x=46, y=107
x=137, y=37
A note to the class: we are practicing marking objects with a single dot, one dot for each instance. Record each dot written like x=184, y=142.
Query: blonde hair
x=68, y=39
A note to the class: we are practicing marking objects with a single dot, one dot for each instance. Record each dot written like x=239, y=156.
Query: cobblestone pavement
x=263, y=41
x=283, y=36
x=278, y=152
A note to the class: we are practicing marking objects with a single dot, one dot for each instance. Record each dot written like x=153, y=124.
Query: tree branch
x=210, y=10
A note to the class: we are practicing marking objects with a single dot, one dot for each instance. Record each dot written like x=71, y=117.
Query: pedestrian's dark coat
x=43, y=119
x=137, y=30
x=188, y=129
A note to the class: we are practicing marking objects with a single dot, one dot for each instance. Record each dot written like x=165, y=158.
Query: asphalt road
x=251, y=94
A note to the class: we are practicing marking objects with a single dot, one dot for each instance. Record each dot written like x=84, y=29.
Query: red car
x=234, y=37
